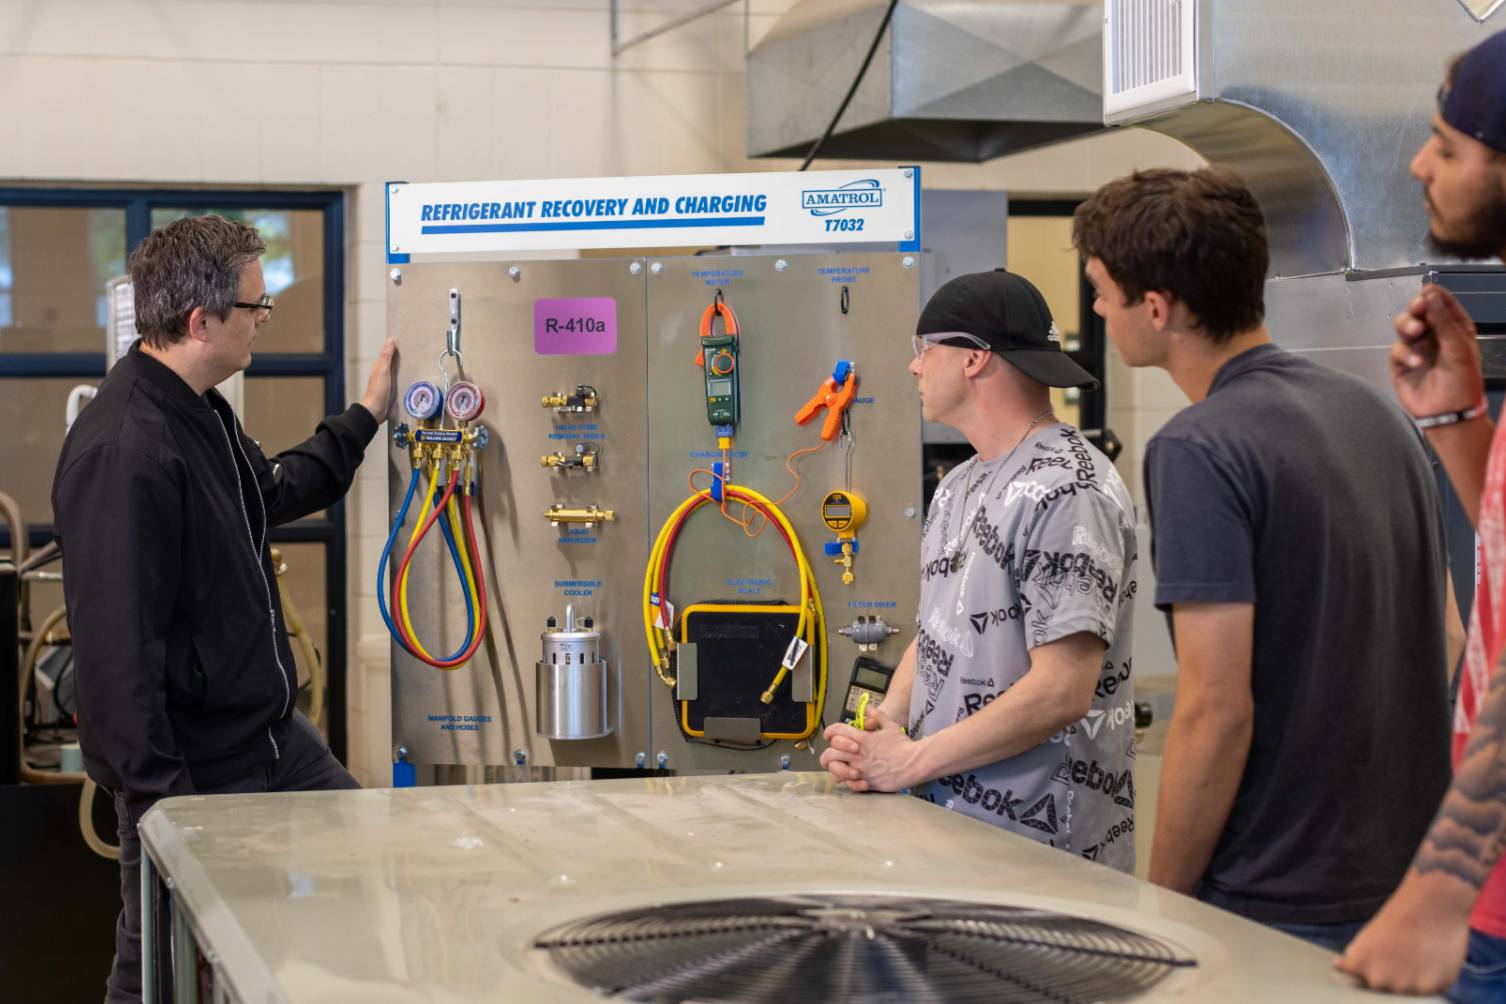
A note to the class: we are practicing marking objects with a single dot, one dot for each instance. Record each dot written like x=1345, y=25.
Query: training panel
x=607, y=594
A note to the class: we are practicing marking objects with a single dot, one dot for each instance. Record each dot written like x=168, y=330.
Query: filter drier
x=571, y=679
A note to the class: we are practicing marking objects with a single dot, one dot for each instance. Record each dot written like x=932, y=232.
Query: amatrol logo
x=862, y=194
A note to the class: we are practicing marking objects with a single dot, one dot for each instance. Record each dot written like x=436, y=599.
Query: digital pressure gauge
x=844, y=512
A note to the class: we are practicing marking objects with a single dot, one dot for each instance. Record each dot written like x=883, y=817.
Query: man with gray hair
x=186, y=680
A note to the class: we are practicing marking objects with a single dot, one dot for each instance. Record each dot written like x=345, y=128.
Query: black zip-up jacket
x=161, y=502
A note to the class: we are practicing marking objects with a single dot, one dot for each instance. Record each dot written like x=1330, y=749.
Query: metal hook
x=452, y=336
x=846, y=298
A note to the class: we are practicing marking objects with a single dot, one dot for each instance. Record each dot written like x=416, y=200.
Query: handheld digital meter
x=718, y=358
x=721, y=379
x=870, y=679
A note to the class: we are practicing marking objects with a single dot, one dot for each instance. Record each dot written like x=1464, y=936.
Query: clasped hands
x=880, y=757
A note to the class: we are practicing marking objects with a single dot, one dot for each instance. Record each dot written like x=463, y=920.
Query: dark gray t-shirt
x=1304, y=491
x=1024, y=550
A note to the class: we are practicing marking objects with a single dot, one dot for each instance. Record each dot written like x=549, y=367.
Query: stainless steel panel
x=531, y=572
x=950, y=81
x=793, y=331
x=435, y=894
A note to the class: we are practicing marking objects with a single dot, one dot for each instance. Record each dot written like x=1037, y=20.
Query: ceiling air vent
x=839, y=948
x=1149, y=56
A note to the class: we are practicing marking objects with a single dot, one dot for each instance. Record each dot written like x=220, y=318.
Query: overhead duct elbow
x=1317, y=106
x=950, y=81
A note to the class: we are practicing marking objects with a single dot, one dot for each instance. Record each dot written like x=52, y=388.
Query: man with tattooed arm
x=1450, y=909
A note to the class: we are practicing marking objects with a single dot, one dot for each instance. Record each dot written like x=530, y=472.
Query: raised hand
x=1435, y=363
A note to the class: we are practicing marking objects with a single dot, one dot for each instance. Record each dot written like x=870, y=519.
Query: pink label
x=575, y=326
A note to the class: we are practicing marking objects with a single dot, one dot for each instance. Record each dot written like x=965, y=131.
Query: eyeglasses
x=263, y=307
x=960, y=339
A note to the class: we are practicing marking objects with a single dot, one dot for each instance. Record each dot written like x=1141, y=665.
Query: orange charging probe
x=835, y=395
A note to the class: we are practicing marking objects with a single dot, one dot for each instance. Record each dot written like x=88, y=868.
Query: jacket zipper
x=266, y=586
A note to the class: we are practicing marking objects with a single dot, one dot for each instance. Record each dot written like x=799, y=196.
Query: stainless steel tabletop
x=434, y=894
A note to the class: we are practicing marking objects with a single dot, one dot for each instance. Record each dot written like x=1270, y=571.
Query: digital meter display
x=873, y=680
x=838, y=511
x=718, y=388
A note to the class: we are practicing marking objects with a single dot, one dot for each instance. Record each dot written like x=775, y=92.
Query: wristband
x=1452, y=417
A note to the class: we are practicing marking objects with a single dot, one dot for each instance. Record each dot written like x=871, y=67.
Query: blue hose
x=444, y=526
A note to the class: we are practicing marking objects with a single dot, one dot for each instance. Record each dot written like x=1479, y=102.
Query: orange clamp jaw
x=729, y=325
x=835, y=398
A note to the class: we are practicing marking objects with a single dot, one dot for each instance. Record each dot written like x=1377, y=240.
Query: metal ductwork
x=1317, y=106
x=951, y=81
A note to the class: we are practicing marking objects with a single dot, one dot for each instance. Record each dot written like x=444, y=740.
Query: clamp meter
x=869, y=683
x=721, y=379
x=718, y=357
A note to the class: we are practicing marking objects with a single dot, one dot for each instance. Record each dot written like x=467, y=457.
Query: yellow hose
x=811, y=625
x=453, y=516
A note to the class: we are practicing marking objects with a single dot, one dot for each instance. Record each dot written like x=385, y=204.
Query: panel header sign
x=691, y=210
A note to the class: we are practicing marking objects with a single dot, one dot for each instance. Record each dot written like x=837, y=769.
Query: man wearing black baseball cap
x=1453, y=898
x=1015, y=692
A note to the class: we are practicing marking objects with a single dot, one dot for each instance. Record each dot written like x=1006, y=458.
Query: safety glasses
x=959, y=338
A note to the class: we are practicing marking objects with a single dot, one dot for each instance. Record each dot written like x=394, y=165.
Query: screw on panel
x=784, y=763
x=909, y=512
x=909, y=172
x=520, y=756
x=907, y=261
x=663, y=759
x=641, y=758
x=515, y=272
x=396, y=275
x=635, y=268
x=169, y=882
x=656, y=267
x=397, y=247
x=909, y=235
x=781, y=265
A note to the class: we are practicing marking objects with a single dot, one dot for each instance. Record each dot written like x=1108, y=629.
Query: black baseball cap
x=1476, y=102
x=1010, y=314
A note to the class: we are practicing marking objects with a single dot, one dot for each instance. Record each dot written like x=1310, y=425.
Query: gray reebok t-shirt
x=1051, y=552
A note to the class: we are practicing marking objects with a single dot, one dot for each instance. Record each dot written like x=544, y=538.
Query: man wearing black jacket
x=186, y=679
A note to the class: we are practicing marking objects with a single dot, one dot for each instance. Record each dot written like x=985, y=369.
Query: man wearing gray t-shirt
x=1016, y=692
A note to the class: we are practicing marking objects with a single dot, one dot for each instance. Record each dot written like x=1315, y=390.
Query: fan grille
x=856, y=948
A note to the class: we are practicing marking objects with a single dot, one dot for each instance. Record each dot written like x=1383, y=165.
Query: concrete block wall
x=352, y=93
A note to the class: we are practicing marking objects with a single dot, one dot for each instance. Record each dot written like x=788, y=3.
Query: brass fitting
x=586, y=515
